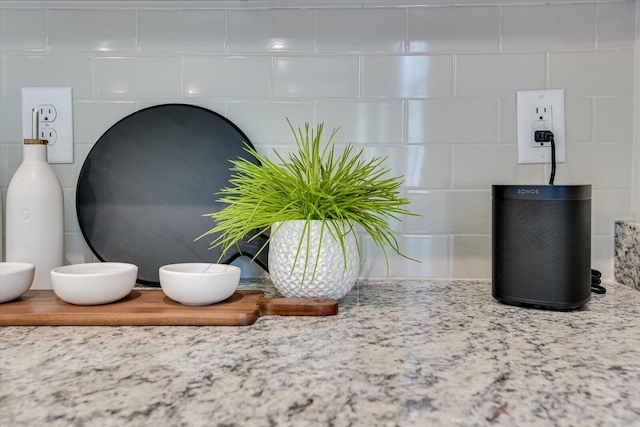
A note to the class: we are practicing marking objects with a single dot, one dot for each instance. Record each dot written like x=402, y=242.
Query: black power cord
x=596, y=288
x=547, y=136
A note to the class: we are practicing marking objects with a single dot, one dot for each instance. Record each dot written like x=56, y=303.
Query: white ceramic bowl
x=94, y=283
x=15, y=279
x=199, y=283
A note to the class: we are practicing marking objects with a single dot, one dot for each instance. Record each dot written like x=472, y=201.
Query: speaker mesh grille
x=541, y=250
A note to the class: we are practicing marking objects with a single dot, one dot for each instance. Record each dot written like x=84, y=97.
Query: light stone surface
x=627, y=253
x=399, y=353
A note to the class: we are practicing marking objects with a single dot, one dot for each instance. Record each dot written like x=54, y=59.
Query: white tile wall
x=316, y=76
x=184, y=31
x=601, y=73
x=432, y=89
x=92, y=31
x=407, y=76
x=268, y=30
x=550, y=28
x=453, y=121
x=227, y=77
x=454, y=29
x=361, y=30
x=493, y=76
x=137, y=77
x=615, y=25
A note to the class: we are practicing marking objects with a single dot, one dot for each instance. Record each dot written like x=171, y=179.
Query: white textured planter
x=331, y=280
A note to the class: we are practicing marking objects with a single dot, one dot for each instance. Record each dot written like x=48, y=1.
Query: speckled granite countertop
x=399, y=353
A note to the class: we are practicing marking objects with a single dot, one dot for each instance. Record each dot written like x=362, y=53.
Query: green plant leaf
x=314, y=183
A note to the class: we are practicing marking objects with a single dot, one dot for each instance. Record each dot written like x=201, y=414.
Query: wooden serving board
x=154, y=308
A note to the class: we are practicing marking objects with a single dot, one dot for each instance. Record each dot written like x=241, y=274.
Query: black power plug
x=543, y=136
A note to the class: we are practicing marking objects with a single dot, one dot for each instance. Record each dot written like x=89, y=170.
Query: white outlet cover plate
x=61, y=99
x=526, y=102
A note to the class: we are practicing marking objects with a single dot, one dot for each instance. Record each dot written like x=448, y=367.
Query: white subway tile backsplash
x=604, y=166
x=4, y=169
x=76, y=249
x=11, y=161
x=578, y=120
x=608, y=206
x=499, y=166
x=614, y=120
x=454, y=29
x=361, y=30
x=227, y=77
x=600, y=73
x=182, y=31
x=27, y=71
x=548, y=28
x=407, y=76
x=2, y=74
x=93, y=118
x=432, y=89
x=23, y=30
x=470, y=259
x=68, y=173
x=602, y=248
x=422, y=166
x=316, y=77
x=432, y=252
x=507, y=116
x=450, y=212
x=370, y=122
x=495, y=76
x=10, y=114
x=453, y=121
x=218, y=106
x=616, y=25
x=95, y=31
x=265, y=123
x=139, y=77
x=269, y=30
x=69, y=205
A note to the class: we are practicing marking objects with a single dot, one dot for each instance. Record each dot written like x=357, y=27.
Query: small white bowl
x=199, y=283
x=15, y=279
x=94, y=283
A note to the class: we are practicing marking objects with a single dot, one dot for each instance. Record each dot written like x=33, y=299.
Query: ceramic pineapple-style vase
x=331, y=279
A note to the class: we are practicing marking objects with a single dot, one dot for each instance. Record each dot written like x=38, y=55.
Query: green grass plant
x=314, y=183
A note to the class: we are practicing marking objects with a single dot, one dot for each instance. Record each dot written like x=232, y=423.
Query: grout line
x=499, y=121
x=407, y=46
x=593, y=120
x=500, y=19
x=595, y=26
x=454, y=78
x=136, y=48
x=47, y=41
x=547, y=72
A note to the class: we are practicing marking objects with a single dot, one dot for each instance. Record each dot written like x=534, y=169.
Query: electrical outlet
x=54, y=106
x=48, y=113
x=49, y=134
x=541, y=119
x=540, y=110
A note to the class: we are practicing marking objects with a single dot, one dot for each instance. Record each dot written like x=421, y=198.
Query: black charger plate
x=148, y=180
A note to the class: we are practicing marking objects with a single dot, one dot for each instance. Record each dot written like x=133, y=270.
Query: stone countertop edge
x=626, y=258
x=398, y=353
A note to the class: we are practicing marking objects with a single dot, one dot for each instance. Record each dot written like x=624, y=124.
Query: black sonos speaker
x=541, y=245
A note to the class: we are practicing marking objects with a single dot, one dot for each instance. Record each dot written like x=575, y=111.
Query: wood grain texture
x=154, y=308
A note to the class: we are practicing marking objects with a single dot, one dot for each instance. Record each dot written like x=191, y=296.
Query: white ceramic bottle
x=35, y=214
x=1, y=231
